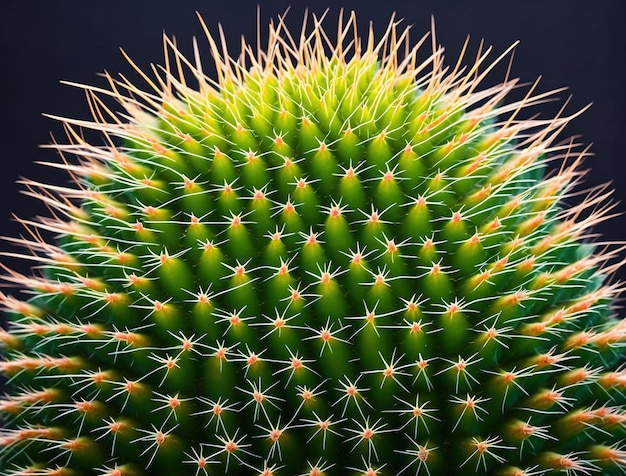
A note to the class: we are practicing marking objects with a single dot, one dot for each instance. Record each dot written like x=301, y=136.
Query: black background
x=578, y=44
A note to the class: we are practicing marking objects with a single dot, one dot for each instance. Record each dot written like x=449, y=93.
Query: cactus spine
x=320, y=263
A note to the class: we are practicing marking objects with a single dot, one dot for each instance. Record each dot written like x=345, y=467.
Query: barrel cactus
x=330, y=259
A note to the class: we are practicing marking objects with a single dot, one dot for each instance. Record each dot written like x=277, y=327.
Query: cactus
x=329, y=260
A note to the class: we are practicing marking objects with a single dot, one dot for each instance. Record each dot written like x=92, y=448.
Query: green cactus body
x=323, y=263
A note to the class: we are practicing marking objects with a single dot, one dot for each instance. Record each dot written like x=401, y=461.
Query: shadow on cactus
x=335, y=258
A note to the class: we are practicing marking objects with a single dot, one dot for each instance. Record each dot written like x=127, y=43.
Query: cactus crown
x=336, y=258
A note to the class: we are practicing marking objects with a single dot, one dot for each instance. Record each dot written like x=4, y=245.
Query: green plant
x=334, y=259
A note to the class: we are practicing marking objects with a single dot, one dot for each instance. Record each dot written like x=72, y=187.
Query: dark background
x=578, y=44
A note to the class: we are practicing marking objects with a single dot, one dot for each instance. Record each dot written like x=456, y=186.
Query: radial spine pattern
x=335, y=258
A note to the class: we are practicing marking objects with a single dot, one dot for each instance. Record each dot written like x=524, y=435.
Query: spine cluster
x=318, y=264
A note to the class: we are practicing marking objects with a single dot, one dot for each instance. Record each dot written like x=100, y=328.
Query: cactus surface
x=334, y=258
